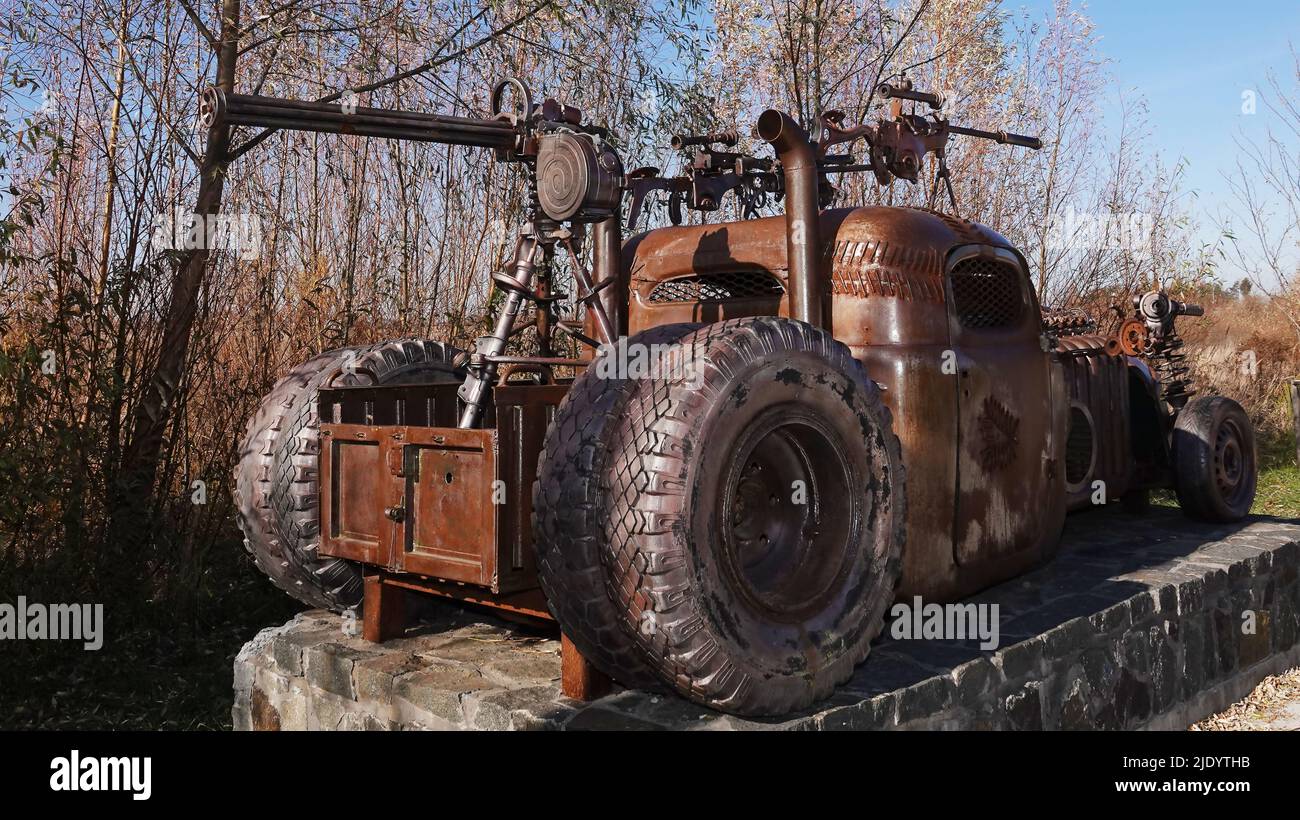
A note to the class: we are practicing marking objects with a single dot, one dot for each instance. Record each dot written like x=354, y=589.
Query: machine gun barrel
x=727, y=138
x=334, y=118
x=1001, y=137
x=898, y=92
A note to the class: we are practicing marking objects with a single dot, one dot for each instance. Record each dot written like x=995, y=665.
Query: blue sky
x=1191, y=60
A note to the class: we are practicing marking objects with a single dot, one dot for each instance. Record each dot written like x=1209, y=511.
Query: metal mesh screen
x=986, y=293
x=717, y=287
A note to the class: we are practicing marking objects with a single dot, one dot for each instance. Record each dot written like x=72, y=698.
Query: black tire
x=276, y=491
x=1215, y=464
x=740, y=596
x=570, y=516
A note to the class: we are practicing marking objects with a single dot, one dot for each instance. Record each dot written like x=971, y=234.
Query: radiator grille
x=986, y=293
x=718, y=287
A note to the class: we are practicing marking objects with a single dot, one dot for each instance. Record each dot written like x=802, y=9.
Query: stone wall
x=1137, y=624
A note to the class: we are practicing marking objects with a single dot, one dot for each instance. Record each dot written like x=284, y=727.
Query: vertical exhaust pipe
x=802, y=214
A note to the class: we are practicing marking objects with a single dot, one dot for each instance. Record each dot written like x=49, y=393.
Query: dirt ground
x=1273, y=706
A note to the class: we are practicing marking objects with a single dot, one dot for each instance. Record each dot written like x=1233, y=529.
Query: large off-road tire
x=570, y=514
x=753, y=515
x=1215, y=467
x=276, y=489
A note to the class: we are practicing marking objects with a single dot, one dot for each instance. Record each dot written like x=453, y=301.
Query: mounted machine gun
x=896, y=148
x=574, y=179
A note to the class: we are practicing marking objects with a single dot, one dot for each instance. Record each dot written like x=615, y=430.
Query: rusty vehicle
x=779, y=424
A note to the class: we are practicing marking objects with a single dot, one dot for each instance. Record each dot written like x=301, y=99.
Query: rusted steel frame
x=384, y=610
x=518, y=282
x=420, y=405
x=578, y=678
x=803, y=232
x=553, y=361
x=386, y=618
x=591, y=295
x=529, y=603
x=506, y=372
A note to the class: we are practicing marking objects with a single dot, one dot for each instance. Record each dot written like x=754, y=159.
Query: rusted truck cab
x=942, y=314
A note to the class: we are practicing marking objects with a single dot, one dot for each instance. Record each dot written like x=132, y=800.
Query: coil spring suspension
x=1169, y=363
x=1165, y=350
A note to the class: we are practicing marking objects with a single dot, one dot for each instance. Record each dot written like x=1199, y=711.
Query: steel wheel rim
x=1231, y=462
x=782, y=556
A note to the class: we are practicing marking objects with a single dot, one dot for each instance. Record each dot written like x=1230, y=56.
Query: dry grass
x=1245, y=348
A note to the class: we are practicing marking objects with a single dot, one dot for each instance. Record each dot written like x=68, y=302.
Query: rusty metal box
x=402, y=488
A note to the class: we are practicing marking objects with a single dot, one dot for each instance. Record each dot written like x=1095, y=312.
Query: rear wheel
x=1214, y=459
x=276, y=489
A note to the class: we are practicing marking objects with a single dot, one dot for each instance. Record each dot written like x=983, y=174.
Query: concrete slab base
x=1141, y=622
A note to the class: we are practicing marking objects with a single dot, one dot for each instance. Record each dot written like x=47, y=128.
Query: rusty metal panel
x=923, y=401
x=1098, y=444
x=416, y=405
x=356, y=487
x=886, y=261
x=1008, y=497
x=358, y=518
x=523, y=414
x=450, y=519
x=983, y=445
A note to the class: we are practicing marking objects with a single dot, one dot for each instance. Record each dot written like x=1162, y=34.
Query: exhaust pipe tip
x=770, y=125
x=791, y=143
x=776, y=126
